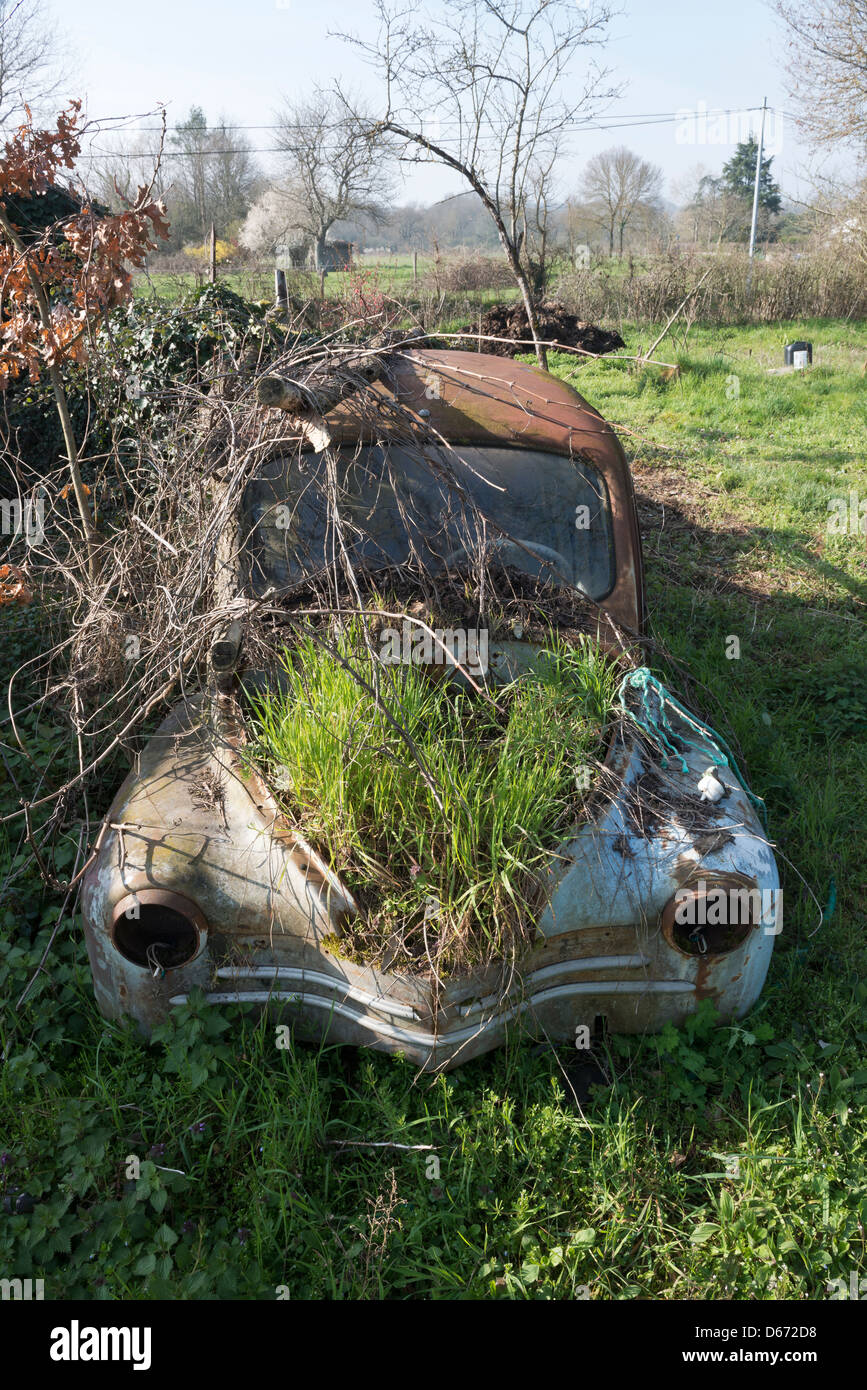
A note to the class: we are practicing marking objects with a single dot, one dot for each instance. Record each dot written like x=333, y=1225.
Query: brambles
x=468, y=272
x=363, y=297
x=786, y=286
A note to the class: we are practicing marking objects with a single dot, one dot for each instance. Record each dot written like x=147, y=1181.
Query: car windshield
x=544, y=514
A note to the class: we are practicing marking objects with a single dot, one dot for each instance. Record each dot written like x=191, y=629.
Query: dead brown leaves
x=51, y=288
x=13, y=586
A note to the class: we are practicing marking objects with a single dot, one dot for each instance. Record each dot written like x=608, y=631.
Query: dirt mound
x=556, y=324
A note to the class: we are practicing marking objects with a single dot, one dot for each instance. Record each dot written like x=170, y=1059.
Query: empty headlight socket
x=699, y=937
x=158, y=929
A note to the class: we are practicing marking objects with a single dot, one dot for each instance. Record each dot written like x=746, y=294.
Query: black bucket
x=798, y=354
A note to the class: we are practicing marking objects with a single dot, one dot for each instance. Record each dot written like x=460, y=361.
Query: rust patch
x=712, y=841
x=703, y=989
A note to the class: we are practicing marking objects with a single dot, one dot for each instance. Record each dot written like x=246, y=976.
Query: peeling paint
x=265, y=902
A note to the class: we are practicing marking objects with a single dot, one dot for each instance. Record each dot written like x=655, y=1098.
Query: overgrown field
x=711, y=1162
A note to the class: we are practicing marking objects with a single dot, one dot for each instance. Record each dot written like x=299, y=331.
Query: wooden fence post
x=281, y=298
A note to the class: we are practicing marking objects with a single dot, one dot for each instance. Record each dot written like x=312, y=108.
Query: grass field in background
x=717, y=1161
x=390, y=274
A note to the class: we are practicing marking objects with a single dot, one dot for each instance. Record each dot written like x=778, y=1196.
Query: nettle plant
x=57, y=280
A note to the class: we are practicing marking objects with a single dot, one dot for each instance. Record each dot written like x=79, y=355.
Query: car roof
x=477, y=399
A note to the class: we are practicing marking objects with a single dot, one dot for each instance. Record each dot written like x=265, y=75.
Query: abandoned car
x=660, y=893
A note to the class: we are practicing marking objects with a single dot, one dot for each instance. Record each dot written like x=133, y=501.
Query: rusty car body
x=241, y=908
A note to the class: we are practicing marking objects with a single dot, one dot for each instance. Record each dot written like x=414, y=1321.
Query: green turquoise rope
x=659, y=730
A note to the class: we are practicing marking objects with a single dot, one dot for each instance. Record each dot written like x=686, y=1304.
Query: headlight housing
x=158, y=929
x=714, y=915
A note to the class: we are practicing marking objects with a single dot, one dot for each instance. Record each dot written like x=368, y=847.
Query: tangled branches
x=226, y=530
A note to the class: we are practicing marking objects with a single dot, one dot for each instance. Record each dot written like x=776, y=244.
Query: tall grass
x=440, y=808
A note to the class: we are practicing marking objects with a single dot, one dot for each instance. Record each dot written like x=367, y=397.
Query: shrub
x=142, y=352
x=789, y=285
x=468, y=273
x=225, y=250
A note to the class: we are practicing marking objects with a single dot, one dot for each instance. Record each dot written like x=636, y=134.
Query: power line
x=632, y=122
x=626, y=116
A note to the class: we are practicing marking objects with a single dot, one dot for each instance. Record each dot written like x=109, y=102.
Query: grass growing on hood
x=441, y=819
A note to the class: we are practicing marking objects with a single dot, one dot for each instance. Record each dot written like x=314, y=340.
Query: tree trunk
x=533, y=320
x=509, y=245
x=325, y=389
x=527, y=296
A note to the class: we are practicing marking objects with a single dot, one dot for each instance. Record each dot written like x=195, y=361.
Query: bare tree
x=209, y=175
x=191, y=145
x=826, y=61
x=581, y=226
x=621, y=186
x=488, y=88
x=30, y=70
x=121, y=161
x=233, y=175
x=836, y=214
x=716, y=213
x=686, y=191
x=536, y=232
x=335, y=166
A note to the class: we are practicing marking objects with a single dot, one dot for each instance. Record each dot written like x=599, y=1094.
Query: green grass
x=393, y=273
x=439, y=807
x=389, y=274
x=736, y=470
x=718, y=1161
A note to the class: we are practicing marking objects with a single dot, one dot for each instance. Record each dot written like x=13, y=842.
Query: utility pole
x=756, y=192
x=212, y=256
